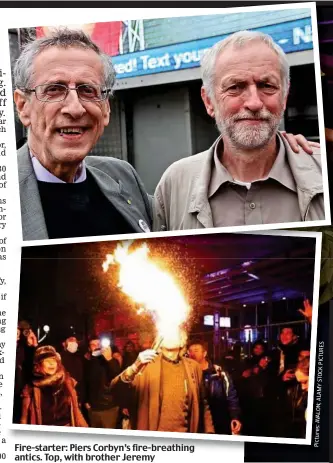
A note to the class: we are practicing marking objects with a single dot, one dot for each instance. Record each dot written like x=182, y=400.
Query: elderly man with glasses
x=62, y=87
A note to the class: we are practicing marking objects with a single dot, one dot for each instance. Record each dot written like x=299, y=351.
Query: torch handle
x=156, y=344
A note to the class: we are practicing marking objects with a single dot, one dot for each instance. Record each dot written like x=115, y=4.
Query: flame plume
x=153, y=288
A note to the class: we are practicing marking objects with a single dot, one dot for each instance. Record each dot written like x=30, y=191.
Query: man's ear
x=22, y=103
x=107, y=113
x=207, y=102
x=286, y=98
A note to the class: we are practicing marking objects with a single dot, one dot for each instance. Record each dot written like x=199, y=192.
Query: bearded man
x=250, y=175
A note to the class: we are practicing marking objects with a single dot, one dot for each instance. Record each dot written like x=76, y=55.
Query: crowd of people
x=177, y=388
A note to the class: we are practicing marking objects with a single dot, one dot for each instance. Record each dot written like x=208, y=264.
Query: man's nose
x=73, y=105
x=252, y=99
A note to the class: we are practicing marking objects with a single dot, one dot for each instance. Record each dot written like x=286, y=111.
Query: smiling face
x=248, y=101
x=63, y=133
x=49, y=366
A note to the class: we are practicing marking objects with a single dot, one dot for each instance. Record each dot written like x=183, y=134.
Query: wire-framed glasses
x=52, y=93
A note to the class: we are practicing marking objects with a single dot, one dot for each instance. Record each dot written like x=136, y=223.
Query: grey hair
x=239, y=40
x=61, y=38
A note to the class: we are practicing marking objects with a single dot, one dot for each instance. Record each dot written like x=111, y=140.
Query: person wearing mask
x=291, y=350
x=99, y=370
x=72, y=360
x=297, y=401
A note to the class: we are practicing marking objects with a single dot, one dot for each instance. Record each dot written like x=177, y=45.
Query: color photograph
x=203, y=335
x=168, y=124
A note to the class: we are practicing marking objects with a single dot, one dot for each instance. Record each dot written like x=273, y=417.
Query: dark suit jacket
x=117, y=179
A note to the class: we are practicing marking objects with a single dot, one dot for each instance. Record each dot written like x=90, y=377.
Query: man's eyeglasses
x=52, y=93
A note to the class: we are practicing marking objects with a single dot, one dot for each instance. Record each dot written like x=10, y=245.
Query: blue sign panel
x=292, y=36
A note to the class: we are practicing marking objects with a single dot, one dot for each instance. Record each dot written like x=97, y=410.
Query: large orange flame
x=148, y=285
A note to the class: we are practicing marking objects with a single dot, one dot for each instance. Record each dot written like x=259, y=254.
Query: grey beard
x=249, y=137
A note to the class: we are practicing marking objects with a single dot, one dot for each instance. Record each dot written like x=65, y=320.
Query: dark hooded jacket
x=222, y=398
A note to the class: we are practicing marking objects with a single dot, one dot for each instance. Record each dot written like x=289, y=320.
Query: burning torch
x=164, y=300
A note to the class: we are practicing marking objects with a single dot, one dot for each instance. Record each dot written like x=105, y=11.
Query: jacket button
x=252, y=205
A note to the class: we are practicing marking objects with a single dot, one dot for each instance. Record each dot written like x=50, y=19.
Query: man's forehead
x=75, y=60
x=196, y=346
x=55, y=52
x=255, y=56
x=94, y=341
x=288, y=330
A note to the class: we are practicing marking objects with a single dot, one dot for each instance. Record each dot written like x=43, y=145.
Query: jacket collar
x=114, y=192
x=306, y=173
x=199, y=195
x=31, y=206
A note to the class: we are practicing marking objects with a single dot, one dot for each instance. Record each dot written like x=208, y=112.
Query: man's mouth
x=252, y=119
x=71, y=131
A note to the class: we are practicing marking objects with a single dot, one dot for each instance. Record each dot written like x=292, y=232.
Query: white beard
x=245, y=136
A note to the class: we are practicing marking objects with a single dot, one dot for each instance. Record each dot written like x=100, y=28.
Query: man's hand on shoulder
x=297, y=141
